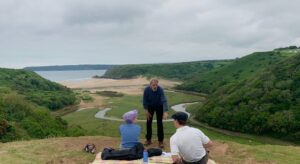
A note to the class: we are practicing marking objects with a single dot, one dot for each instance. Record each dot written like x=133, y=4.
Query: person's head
x=154, y=84
x=130, y=117
x=180, y=119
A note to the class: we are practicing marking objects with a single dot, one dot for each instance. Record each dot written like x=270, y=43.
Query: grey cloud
x=103, y=11
x=133, y=31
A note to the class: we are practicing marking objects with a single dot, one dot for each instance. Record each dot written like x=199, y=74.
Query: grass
x=120, y=105
x=53, y=150
x=94, y=126
x=227, y=149
x=69, y=150
x=239, y=151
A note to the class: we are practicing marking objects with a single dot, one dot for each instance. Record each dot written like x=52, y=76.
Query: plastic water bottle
x=145, y=156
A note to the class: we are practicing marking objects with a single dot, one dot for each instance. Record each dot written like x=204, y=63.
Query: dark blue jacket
x=155, y=99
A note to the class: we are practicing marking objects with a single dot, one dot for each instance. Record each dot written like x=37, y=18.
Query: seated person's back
x=188, y=145
x=129, y=131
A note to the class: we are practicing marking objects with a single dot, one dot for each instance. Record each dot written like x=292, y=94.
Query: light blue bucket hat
x=130, y=116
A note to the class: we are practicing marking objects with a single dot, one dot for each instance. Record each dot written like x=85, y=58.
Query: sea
x=70, y=75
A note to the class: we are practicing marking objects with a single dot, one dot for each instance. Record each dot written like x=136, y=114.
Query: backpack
x=154, y=152
x=128, y=154
x=90, y=148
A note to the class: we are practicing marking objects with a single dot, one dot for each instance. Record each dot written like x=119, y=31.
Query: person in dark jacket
x=154, y=101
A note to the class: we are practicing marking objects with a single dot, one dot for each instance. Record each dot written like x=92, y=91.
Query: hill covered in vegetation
x=25, y=103
x=36, y=89
x=177, y=71
x=240, y=69
x=258, y=93
x=266, y=103
x=70, y=67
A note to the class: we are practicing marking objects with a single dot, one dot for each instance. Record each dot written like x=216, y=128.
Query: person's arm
x=146, y=104
x=163, y=100
x=206, y=142
x=174, y=151
x=209, y=144
x=176, y=159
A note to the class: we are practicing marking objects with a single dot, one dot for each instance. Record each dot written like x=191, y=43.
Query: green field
x=120, y=105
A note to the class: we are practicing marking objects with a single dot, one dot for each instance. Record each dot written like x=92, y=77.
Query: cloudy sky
x=57, y=32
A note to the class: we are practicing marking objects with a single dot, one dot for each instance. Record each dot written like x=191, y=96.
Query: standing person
x=188, y=145
x=129, y=131
x=154, y=101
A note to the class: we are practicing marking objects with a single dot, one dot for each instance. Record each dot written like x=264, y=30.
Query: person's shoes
x=161, y=145
x=147, y=143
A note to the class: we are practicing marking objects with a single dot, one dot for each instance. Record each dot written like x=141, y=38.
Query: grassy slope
x=238, y=70
x=204, y=76
x=25, y=100
x=69, y=150
x=227, y=149
x=54, y=150
x=171, y=71
x=267, y=103
x=35, y=88
x=237, y=149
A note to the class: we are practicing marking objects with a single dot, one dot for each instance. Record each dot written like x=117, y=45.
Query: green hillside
x=172, y=71
x=70, y=67
x=258, y=93
x=240, y=69
x=25, y=100
x=36, y=89
x=267, y=103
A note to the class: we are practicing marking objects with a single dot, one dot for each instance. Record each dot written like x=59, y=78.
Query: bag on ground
x=128, y=154
x=90, y=148
x=154, y=152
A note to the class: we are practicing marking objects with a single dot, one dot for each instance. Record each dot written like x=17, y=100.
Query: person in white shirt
x=188, y=145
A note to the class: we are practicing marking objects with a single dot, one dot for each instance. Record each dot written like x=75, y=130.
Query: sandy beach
x=127, y=86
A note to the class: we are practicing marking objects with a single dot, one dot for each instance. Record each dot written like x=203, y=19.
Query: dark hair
x=181, y=122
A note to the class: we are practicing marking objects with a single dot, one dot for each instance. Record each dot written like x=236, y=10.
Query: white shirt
x=188, y=143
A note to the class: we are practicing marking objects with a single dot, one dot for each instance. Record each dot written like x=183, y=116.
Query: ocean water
x=75, y=75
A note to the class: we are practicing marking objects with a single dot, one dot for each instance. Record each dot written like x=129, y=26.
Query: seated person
x=129, y=131
x=188, y=145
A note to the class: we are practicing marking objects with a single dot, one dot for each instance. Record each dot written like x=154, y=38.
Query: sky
x=60, y=32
